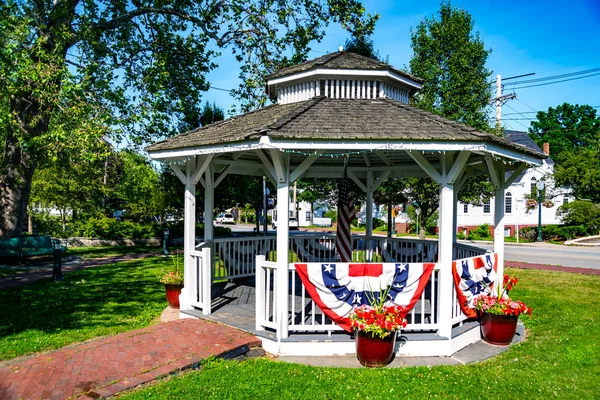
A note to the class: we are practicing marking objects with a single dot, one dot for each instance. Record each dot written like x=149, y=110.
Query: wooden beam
x=300, y=169
x=202, y=164
x=520, y=168
x=425, y=165
x=357, y=181
x=492, y=171
x=366, y=158
x=179, y=173
x=457, y=166
x=279, y=167
x=384, y=158
x=268, y=166
x=223, y=175
x=380, y=179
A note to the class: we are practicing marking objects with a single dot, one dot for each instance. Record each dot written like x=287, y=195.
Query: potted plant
x=173, y=281
x=375, y=328
x=499, y=313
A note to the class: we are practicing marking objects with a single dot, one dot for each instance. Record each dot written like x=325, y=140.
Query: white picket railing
x=200, y=292
x=235, y=257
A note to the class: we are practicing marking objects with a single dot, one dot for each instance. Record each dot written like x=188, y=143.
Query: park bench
x=28, y=246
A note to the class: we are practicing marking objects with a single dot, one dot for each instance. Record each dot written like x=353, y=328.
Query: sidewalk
x=106, y=366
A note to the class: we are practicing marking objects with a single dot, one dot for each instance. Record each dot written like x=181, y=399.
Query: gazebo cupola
x=341, y=75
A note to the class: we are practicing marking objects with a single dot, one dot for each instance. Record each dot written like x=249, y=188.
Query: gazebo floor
x=234, y=305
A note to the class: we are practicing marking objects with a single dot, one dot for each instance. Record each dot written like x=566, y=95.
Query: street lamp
x=540, y=187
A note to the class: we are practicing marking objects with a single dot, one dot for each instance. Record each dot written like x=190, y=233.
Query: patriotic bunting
x=337, y=288
x=473, y=276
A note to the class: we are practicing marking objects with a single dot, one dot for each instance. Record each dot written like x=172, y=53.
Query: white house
x=517, y=215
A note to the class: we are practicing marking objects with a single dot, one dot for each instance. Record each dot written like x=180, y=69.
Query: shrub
x=583, y=213
x=481, y=232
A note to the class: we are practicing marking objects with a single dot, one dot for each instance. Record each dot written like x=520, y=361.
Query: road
x=542, y=253
x=552, y=254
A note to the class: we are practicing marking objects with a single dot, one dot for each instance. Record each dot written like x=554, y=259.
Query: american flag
x=345, y=217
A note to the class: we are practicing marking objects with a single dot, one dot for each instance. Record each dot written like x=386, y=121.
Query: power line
x=527, y=105
x=549, y=78
x=551, y=83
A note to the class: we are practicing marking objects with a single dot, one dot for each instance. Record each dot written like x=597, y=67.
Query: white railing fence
x=236, y=257
x=201, y=277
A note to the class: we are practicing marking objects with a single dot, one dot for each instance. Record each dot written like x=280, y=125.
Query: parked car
x=292, y=223
x=225, y=219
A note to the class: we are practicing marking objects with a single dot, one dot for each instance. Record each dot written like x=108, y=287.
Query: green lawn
x=98, y=301
x=559, y=359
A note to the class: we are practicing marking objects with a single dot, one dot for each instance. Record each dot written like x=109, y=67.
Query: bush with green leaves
x=481, y=232
x=583, y=213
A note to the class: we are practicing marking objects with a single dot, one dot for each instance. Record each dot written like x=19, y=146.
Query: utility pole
x=501, y=99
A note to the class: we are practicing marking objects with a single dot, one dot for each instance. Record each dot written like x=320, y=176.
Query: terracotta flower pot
x=372, y=351
x=173, y=292
x=498, y=329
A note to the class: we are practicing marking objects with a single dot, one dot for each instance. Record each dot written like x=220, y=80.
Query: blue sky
x=549, y=38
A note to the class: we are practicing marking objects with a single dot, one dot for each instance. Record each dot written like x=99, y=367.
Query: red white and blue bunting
x=337, y=288
x=473, y=276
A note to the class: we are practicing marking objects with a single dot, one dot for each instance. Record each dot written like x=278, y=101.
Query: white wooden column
x=209, y=203
x=369, y=219
x=455, y=215
x=189, y=235
x=499, y=220
x=445, y=253
x=281, y=167
x=496, y=170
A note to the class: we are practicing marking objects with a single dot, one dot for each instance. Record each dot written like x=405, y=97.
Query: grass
x=94, y=302
x=560, y=358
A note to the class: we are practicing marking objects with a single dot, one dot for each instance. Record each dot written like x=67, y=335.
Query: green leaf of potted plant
x=173, y=281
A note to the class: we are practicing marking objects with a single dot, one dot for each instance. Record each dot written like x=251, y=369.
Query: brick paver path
x=106, y=366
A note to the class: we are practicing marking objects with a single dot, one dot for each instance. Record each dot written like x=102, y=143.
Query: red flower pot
x=498, y=329
x=173, y=292
x=372, y=351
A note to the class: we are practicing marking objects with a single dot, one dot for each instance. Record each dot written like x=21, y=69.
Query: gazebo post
x=207, y=265
x=369, y=217
x=496, y=170
x=281, y=167
x=445, y=252
x=189, y=234
x=499, y=218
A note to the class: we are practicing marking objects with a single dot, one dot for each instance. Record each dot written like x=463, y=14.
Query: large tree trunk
x=16, y=174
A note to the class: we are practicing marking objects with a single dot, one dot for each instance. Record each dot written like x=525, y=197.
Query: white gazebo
x=336, y=109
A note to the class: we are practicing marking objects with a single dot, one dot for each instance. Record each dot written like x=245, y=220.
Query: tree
x=363, y=46
x=580, y=171
x=451, y=59
x=73, y=72
x=567, y=128
x=390, y=193
x=208, y=114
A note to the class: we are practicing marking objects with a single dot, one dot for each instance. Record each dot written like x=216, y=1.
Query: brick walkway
x=106, y=366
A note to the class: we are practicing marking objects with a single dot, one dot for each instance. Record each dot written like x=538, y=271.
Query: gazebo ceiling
x=372, y=133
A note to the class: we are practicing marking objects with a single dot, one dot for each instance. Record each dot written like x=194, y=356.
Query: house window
x=308, y=216
x=486, y=206
x=508, y=203
x=533, y=189
x=465, y=208
x=565, y=200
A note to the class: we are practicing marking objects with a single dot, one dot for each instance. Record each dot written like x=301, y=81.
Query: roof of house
x=339, y=119
x=341, y=60
x=525, y=139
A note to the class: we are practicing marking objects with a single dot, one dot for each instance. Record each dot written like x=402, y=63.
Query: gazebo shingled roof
x=341, y=60
x=326, y=118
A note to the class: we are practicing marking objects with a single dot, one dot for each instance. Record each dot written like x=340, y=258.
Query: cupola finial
x=341, y=48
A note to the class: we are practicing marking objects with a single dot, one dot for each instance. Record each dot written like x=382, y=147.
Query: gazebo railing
x=305, y=316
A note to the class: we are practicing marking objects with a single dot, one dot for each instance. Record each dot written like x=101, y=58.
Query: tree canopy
x=451, y=58
x=75, y=73
x=566, y=128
